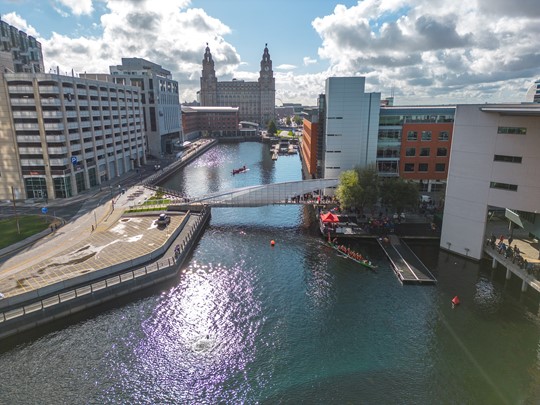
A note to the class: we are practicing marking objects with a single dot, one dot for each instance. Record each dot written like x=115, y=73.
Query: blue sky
x=424, y=51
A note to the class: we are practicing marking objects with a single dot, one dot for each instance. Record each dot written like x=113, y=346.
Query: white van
x=425, y=199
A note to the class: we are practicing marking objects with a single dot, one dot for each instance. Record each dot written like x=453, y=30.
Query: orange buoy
x=272, y=243
x=455, y=300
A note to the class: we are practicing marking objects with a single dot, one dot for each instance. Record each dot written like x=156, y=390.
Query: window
x=409, y=167
x=512, y=130
x=410, y=152
x=440, y=167
x=424, y=151
x=443, y=136
x=503, y=186
x=412, y=136
x=509, y=159
x=442, y=151
x=426, y=135
x=422, y=167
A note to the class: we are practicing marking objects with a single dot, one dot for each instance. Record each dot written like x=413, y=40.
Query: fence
x=158, y=271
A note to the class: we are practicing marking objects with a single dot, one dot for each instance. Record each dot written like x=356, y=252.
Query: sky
x=421, y=52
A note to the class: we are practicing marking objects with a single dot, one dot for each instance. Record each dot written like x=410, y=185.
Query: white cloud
x=78, y=7
x=426, y=51
x=285, y=66
x=434, y=49
x=170, y=35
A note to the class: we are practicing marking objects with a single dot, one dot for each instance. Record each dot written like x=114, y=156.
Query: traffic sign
x=44, y=210
x=74, y=160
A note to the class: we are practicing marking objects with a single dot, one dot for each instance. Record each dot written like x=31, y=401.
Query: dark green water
x=248, y=323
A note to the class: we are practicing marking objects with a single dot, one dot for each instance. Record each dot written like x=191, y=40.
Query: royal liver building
x=256, y=100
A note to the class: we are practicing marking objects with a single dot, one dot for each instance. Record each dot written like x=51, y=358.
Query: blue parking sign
x=74, y=160
x=44, y=210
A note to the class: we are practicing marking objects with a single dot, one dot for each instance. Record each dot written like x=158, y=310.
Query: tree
x=288, y=121
x=358, y=188
x=348, y=191
x=272, y=128
x=298, y=120
x=368, y=180
x=399, y=193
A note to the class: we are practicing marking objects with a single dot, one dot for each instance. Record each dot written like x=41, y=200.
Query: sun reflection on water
x=206, y=327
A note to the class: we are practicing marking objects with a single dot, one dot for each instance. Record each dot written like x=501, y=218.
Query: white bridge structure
x=267, y=194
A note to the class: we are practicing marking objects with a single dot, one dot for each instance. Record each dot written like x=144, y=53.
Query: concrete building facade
x=60, y=135
x=255, y=100
x=19, y=52
x=160, y=100
x=493, y=163
x=351, y=124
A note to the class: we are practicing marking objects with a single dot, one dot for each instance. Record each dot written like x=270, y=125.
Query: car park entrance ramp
x=267, y=194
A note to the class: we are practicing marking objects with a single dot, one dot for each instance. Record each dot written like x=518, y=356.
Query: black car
x=163, y=220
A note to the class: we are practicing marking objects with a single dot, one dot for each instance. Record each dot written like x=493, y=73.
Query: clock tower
x=208, y=94
x=267, y=86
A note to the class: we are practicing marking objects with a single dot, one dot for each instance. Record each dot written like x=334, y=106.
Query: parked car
x=425, y=199
x=163, y=220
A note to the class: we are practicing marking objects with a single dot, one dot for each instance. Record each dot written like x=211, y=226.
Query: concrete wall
x=351, y=125
x=472, y=169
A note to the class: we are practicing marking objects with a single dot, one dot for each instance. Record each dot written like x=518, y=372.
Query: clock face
x=266, y=68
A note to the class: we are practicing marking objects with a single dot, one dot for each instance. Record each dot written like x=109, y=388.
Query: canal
x=249, y=323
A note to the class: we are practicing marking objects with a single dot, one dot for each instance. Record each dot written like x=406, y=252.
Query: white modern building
x=494, y=162
x=351, y=125
x=60, y=135
x=160, y=99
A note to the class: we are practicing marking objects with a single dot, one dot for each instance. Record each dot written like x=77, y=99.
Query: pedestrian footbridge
x=267, y=194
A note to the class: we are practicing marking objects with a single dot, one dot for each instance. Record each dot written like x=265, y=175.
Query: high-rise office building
x=256, y=100
x=351, y=123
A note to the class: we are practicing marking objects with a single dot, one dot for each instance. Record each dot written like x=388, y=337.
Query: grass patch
x=28, y=224
x=157, y=201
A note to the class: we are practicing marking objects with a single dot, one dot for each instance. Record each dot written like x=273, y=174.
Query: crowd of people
x=508, y=251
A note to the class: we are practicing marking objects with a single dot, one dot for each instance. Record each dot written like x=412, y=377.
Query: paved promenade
x=99, y=239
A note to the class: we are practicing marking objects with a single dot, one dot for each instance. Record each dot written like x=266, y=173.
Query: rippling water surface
x=249, y=323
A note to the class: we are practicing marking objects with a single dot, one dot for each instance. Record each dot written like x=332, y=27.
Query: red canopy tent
x=329, y=217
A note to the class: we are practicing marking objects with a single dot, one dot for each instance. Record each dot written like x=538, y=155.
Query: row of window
x=425, y=152
x=509, y=159
x=503, y=186
x=512, y=130
x=427, y=135
x=423, y=167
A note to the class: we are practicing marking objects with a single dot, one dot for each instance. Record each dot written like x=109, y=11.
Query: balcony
x=57, y=150
x=32, y=162
x=27, y=114
x=50, y=101
x=27, y=127
x=28, y=139
x=55, y=138
x=53, y=126
x=30, y=150
x=21, y=90
x=59, y=162
x=49, y=90
x=23, y=101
